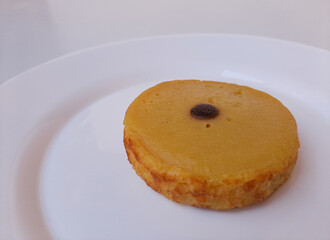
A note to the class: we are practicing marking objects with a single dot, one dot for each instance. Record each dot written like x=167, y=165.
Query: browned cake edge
x=179, y=186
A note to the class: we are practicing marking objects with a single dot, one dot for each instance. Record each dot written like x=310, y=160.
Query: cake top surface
x=213, y=128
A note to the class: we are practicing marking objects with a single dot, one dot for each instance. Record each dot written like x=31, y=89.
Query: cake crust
x=182, y=187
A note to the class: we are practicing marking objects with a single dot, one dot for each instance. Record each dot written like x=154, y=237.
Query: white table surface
x=35, y=31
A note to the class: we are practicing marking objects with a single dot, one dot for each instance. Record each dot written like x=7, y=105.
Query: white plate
x=64, y=174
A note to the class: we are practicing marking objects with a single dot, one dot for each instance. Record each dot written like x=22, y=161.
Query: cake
x=210, y=144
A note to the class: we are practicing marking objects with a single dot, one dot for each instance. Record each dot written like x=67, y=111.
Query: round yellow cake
x=210, y=144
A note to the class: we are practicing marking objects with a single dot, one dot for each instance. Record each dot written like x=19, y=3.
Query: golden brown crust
x=180, y=186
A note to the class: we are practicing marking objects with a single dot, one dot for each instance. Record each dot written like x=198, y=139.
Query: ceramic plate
x=64, y=174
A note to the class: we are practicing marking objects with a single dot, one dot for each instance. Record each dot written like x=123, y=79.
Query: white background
x=35, y=31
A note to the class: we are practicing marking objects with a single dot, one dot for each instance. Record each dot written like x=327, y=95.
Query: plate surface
x=64, y=170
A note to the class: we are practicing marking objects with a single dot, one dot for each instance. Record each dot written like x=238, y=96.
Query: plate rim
x=99, y=46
